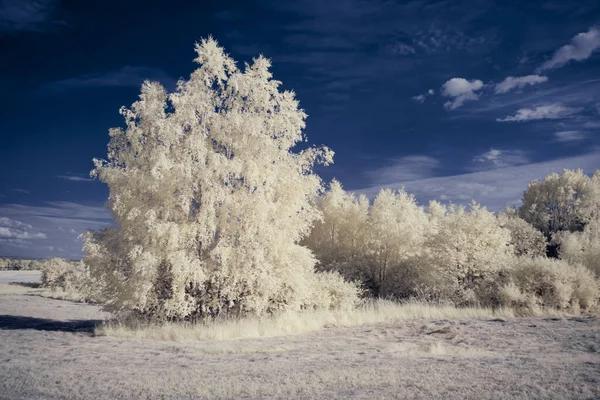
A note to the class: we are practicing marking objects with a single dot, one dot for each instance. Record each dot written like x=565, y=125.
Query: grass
x=32, y=289
x=373, y=312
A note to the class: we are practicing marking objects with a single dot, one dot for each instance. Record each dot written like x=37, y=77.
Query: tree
x=525, y=239
x=397, y=225
x=468, y=245
x=581, y=247
x=209, y=199
x=338, y=240
x=366, y=242
x=564, y=202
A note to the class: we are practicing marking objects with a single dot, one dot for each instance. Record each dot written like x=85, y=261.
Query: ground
x=48, y=351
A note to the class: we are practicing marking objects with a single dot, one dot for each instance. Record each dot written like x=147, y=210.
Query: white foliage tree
x=397, y=227
x=210, y=201
x=581, y=247
x=564, y=202
x=525, y=239
x=366, y=242
x=339, y=238
x=468, y=245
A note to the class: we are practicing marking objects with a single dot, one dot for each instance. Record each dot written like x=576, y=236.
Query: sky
x=452, y=100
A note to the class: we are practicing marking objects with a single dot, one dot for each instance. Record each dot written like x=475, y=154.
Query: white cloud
x=30, y=231
x=422, y=97
x=569, y=136
x=581, y=47
x=511, y=82
x=12, y=229
x=419, y=99
x=550, y=111
x=500, y=159
x=461, y=90
x=493, y=188
x=74, y=178
x=405, y=169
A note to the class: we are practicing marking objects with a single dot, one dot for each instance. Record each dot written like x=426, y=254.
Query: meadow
x=62, y=349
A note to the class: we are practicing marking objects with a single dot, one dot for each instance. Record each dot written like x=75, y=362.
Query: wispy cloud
x=550, y=111
x=75, y=178
x=21, y=191
x=460, y=90
x=569, y=136
x=581, y=47
x=48, y=230
x=494, y=188
x=28, y=15
x=511, y=82
x=356, y=44
x=422, y=97
x=496, y=158
x=404, y=169
x=126, y=76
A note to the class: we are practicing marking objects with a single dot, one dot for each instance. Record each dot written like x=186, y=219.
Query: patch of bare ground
x=47, y=350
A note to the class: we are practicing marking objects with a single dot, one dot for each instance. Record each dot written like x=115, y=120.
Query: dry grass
x=28, y=283
x=48, y=351
x=373, y=312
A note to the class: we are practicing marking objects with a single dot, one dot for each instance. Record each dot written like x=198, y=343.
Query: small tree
x=339, y=239
x=525, y=239
x=397, y=225
x=366, y=242
x=581, y=247
x=468, y=245
x=209, y=199
x=564, y=202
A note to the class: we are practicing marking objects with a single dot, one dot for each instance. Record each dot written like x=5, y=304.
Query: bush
x=550, y=283
x=467, y=245
x=525, y=239
x=581, y=247
x=60, y=274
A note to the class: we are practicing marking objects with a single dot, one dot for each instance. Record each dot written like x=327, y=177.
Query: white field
x=48, y=350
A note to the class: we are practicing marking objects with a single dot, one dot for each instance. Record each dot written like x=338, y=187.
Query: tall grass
x=372, y=312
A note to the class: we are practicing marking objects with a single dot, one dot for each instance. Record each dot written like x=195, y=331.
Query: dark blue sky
x=407, y=93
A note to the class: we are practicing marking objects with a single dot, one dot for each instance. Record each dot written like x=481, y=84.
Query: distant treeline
x=18, y=264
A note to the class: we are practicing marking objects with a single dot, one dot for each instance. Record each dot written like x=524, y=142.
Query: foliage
x=564, y=202
x=551, y=283
x=525, y=239
x=16, y=264
x=581, y=247
x=67, y=276
x=365, y=242
x=210, y=200
x=467, y=245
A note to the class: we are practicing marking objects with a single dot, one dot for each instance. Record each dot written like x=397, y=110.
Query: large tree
x=210, y=200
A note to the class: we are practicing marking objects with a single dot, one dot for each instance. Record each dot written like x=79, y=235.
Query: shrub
x=53, y=269
x=467, y=246
x=524, y=238
x=550, y=283
x=364, y=242
x=60, y=274
x=581, y=247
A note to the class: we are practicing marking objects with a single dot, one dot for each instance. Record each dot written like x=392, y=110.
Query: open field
x=48, y=350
